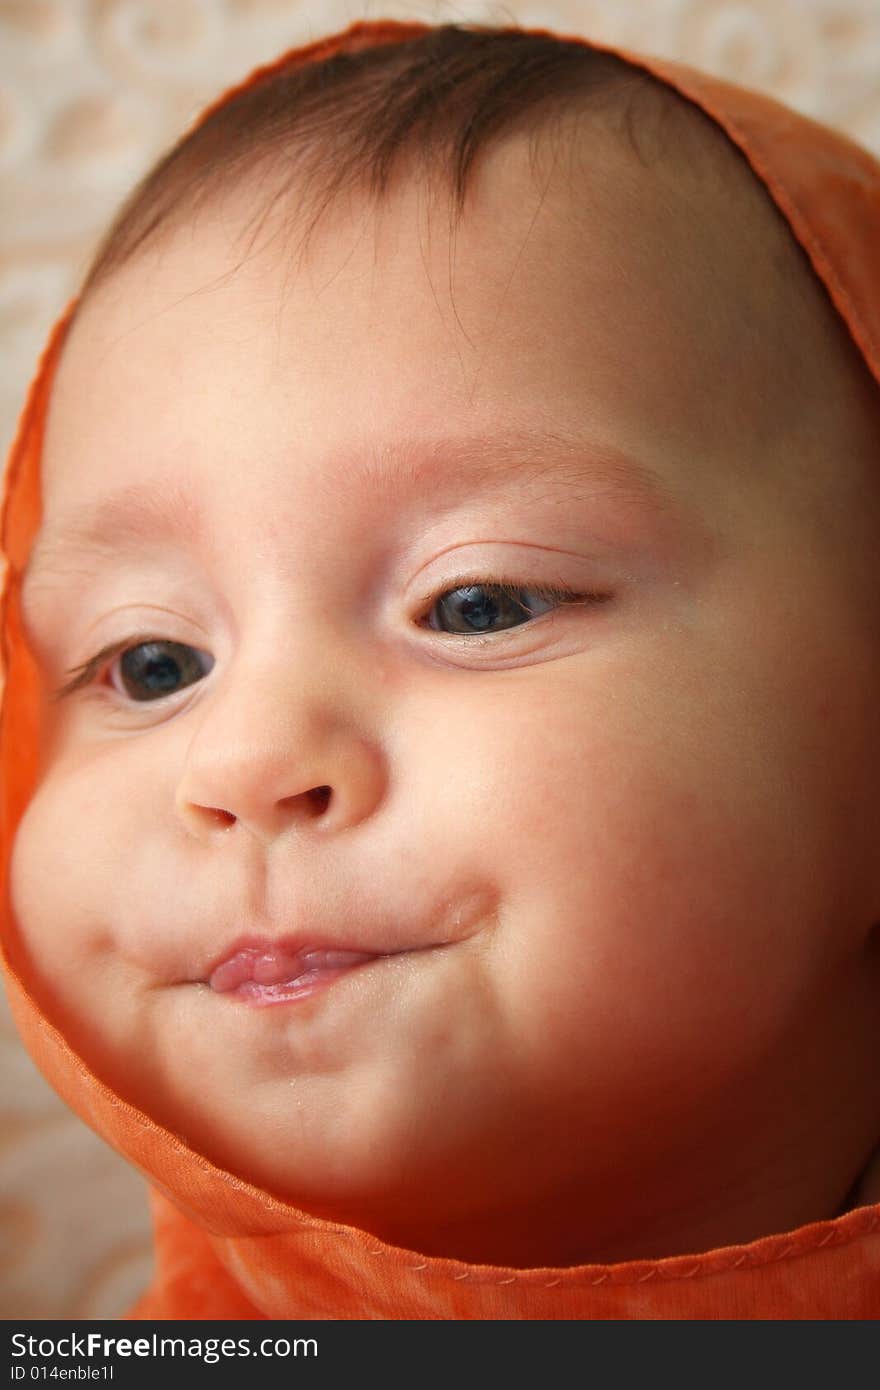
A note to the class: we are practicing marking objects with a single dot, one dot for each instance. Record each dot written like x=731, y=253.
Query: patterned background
x=91, y=91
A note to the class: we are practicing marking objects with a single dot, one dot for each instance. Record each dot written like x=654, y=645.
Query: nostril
x=223, y=818
x=319, y=796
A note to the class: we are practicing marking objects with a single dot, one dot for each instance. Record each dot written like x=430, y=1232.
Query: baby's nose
x=279, y=755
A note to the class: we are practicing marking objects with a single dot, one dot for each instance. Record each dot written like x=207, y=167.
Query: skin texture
x=646, y=828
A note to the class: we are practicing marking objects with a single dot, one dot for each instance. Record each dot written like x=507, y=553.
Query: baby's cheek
x=55, y=888
x=62, y=870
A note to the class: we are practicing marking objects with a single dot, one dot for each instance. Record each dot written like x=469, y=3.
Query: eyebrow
x=541, y=464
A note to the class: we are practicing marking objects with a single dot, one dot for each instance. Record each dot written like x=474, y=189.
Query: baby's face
x=612, y=863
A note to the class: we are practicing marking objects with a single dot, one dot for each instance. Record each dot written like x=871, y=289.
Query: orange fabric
x=227, y=1249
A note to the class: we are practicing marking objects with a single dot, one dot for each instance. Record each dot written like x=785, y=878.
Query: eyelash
x=560, y=593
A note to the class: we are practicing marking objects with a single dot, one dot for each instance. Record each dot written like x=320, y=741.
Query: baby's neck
x=867, y=1190
x=675, y=1209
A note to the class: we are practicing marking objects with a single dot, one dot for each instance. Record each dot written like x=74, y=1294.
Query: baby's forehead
x=634, y=234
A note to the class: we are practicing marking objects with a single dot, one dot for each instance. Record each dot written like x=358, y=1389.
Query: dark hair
x=344, y=120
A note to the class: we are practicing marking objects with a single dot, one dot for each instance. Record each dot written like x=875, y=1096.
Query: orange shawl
x=226, y=1249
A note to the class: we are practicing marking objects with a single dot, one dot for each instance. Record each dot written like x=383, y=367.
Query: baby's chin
x=356, y=1146
x=363, y=1147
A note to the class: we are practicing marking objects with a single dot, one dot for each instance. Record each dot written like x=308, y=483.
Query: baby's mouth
x=262, y=969
x=273, y=973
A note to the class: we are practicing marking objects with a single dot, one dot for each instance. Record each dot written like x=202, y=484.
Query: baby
x=456, y=621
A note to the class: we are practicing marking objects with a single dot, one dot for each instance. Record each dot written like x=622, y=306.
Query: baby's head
x=480, y=579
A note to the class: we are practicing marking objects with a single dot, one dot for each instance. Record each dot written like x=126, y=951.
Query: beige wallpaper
x=90, y=92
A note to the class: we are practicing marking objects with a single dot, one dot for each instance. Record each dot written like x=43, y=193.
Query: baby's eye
x=475, y=607
x=148, y=669
x=153, y=669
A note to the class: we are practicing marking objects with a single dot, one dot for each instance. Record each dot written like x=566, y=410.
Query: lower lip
x=260, y=996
